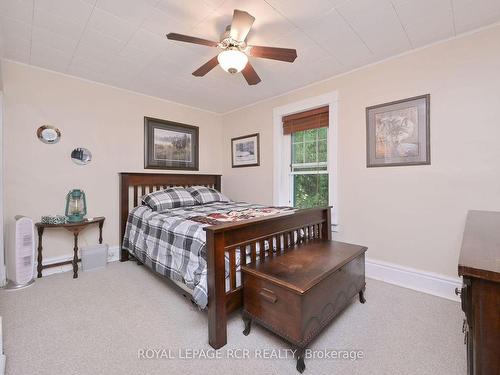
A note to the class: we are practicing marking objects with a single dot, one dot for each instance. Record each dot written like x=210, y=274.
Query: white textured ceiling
x=122, y=42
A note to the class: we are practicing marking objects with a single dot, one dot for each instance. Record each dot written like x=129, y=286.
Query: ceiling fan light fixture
x=232, y=60
x=233, y=57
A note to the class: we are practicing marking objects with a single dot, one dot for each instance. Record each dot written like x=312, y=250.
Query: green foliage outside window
x=309, y=166
x=310, y=190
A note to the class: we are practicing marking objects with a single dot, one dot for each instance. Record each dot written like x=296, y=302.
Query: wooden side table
x=74, y=228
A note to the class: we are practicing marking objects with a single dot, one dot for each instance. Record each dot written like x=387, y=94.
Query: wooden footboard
x=235, y=240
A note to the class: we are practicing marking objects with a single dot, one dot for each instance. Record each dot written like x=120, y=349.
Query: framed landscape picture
x=170, y=145
x=245, y=151
x=398, y=133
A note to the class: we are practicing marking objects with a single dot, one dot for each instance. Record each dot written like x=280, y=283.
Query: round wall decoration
x=48, y=134
x=81, y=156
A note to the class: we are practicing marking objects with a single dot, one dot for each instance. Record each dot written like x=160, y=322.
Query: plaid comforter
x=174, y=246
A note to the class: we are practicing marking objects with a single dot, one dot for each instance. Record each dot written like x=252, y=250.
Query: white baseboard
x=113, y=255
x=422, y=281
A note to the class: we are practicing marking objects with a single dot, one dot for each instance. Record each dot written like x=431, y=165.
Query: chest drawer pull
x=268, y=295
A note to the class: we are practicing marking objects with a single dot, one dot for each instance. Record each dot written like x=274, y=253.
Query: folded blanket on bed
x=238, y=215
x=172, y=242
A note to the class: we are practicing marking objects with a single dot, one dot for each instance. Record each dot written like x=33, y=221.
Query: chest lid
x=301, y=268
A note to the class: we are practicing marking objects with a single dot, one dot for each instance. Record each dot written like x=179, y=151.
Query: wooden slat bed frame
x=280, y=230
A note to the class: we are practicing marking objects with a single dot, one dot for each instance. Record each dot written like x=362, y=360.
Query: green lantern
x=76, y=206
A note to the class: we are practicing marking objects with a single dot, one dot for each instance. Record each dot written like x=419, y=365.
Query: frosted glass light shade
x=232, y=60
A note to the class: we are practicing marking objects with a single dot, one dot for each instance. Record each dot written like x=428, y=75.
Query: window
x=305, y=153
x=309, y=168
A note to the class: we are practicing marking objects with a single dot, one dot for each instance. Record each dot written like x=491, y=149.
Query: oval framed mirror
x=81, y=156
x=48, y=134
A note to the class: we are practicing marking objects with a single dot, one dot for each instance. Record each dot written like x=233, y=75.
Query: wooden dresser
x=295, y=295
x=479, y=265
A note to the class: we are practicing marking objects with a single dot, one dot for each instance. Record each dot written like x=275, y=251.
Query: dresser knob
x=458, y=291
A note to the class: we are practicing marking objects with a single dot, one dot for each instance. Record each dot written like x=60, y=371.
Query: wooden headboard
x=135, y=185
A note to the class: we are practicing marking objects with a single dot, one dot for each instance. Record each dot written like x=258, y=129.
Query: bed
x=208, y=257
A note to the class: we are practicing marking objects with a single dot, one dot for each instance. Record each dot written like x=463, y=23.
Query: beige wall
x=412, y=216
x=107, y=121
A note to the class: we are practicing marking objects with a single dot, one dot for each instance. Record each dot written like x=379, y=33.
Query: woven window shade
x=312, y=119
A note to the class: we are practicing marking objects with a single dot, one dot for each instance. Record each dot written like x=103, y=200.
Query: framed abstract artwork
x=398, y=133
x=245, y=151
x=170, y=145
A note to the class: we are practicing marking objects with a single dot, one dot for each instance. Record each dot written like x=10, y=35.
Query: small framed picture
x=398, y=133
x=170, y=145
x=245, y=151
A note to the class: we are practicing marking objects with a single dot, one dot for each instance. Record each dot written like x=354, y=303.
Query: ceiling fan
x=234, y=55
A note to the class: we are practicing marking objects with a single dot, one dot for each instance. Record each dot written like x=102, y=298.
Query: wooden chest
x=296, y=294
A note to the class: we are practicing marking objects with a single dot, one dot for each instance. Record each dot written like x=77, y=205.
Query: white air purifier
x=24, y=254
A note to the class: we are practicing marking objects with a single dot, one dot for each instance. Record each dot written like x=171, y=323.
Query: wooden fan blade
x=191, y=39
x=241, y=25
x=250, y=75
x=274, y=53
x=205, y=68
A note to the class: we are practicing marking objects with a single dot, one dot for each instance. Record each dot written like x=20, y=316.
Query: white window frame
x=282, y=150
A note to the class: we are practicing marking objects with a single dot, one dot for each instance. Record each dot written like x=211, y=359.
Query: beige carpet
x=98, y=323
